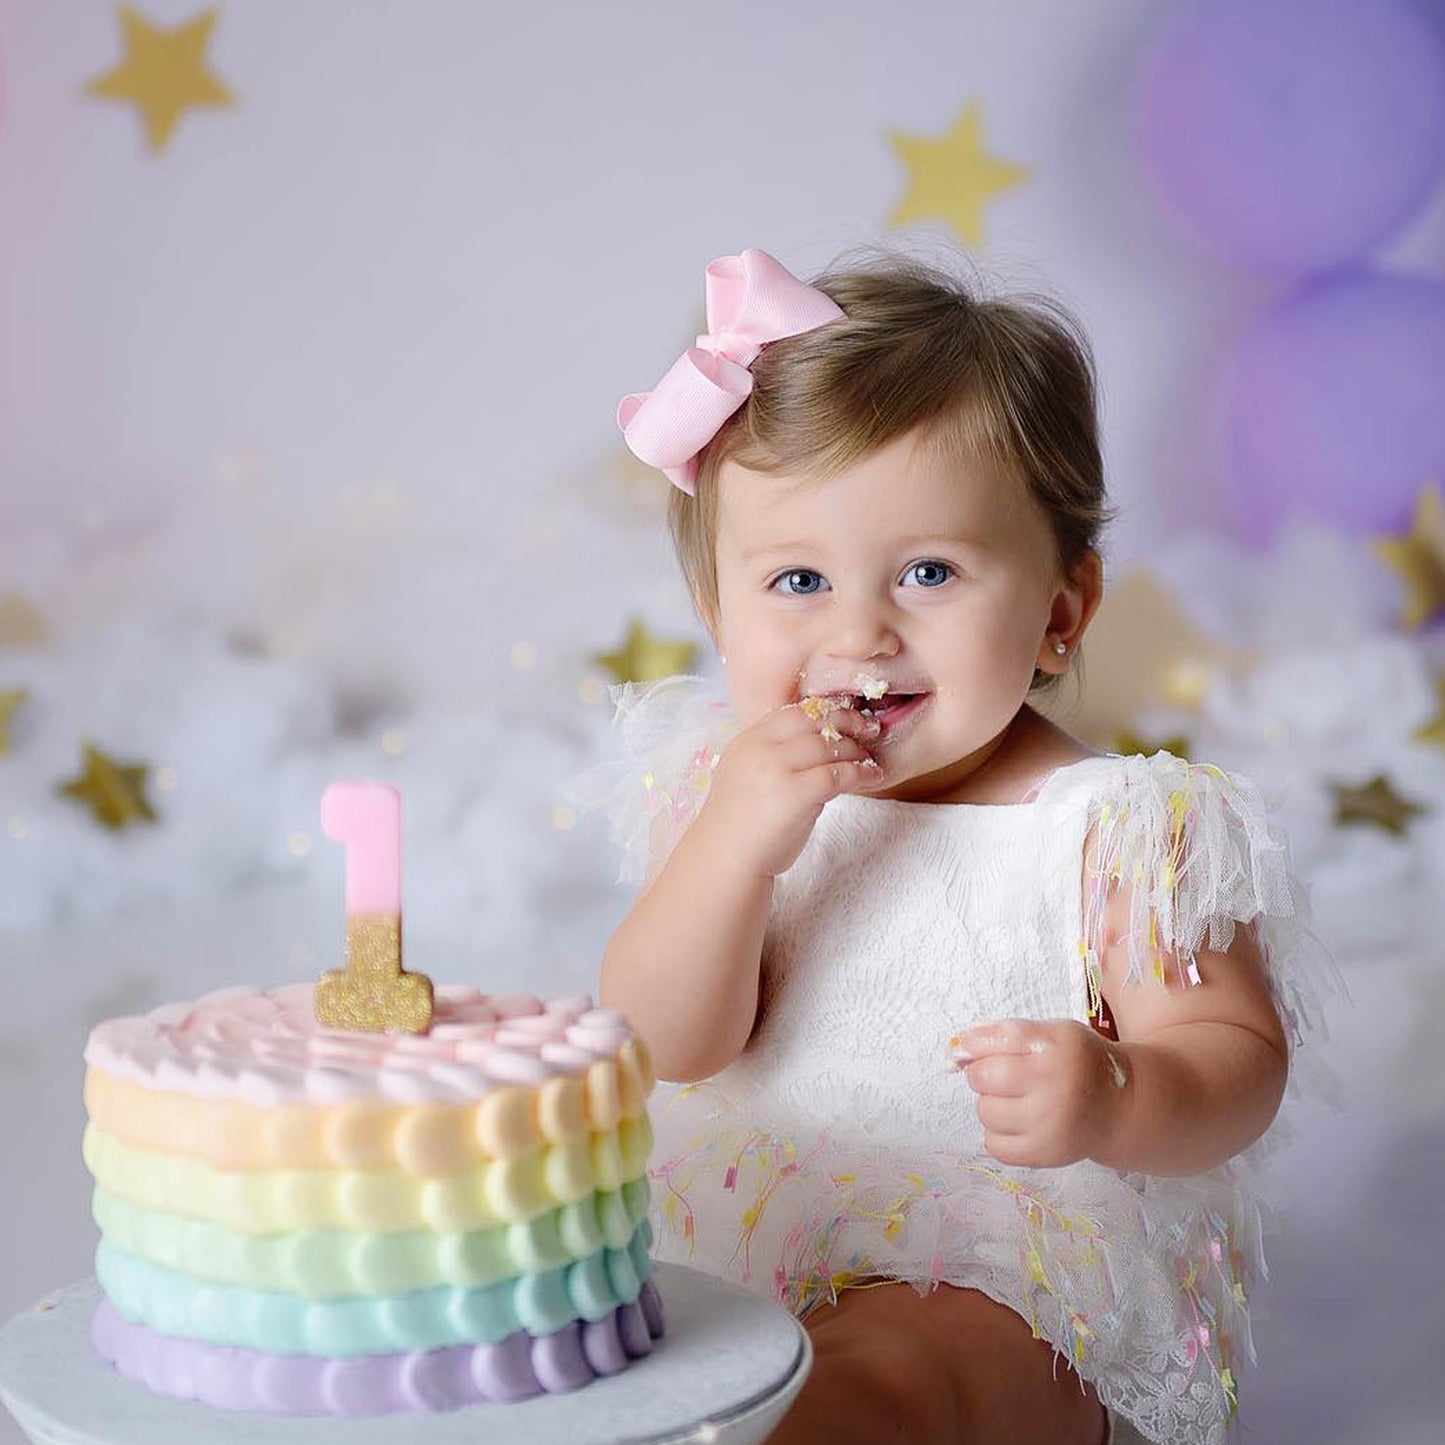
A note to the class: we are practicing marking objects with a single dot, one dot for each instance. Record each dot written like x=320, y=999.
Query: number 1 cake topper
x=373, y=992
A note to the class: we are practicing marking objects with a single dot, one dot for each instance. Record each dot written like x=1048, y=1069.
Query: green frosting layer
x=172, y=1303
x=333, y=1263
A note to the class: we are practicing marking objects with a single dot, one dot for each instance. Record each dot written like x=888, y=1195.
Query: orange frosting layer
x=423, y=1139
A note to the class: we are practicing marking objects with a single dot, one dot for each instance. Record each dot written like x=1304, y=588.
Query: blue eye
x=929, y=574
x=800, y=582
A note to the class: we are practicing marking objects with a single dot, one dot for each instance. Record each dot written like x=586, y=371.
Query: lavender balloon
x=1293, y=134
x=1333, y=404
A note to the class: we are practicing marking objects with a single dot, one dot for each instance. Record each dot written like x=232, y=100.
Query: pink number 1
x=373, y=992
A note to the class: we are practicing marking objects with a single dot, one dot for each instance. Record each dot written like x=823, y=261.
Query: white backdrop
x=334, y=376
x=437, y=242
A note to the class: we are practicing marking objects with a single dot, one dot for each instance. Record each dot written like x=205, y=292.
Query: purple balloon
x=1293, y=135
x=1333, y=405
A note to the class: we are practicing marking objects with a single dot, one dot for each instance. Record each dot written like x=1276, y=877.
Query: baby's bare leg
x=950, y=1368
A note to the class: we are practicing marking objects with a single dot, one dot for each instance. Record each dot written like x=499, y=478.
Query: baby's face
x=912, y=568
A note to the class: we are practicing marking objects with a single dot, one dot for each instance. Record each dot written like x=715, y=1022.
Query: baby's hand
x=775, y=776
x=1050, y=1091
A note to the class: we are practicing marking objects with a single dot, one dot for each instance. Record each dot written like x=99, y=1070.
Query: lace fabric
x=840, y=1146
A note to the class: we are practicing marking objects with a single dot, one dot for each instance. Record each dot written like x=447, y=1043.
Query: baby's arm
x=1205, y=1065
x=684, y=964
x=1196, y=1076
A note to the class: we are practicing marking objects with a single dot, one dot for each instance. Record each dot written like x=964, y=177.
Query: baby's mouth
x=887, y=707
x=891, y=709
x=883, y=707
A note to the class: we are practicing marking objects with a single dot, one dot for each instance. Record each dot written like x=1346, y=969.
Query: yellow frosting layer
x=378, y=1201
x=425, y=1139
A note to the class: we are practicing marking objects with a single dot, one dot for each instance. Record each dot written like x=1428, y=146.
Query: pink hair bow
x=752, y=299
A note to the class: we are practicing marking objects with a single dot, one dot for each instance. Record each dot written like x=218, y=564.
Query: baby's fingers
x=812, y=717
x=845, y=775
x=1003, y=1076
x=862, y=726
x=1005, y=1116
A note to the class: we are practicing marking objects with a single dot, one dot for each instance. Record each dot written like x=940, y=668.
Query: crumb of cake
x=818, y=705
x=871, y=687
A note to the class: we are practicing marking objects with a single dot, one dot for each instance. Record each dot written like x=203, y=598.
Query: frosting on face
x=264, y=1047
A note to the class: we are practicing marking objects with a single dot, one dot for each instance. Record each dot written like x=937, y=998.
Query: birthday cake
x=302, y=1220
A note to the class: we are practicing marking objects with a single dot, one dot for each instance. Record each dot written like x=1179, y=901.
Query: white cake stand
x=725, y=1371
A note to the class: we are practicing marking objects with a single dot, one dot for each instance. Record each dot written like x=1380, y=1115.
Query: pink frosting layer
x=266, y=1048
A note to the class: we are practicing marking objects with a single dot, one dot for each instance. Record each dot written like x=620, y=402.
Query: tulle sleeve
x=1197, y=854
x=671, y=734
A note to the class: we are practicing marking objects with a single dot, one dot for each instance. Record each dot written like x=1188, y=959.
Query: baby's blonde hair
x=1009, y=381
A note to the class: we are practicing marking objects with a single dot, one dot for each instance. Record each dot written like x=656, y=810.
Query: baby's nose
x=863, y=633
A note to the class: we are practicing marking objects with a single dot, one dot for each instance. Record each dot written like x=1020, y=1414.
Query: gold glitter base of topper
x=373, y=993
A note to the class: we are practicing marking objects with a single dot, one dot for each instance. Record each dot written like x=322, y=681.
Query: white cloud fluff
x=1335, y=696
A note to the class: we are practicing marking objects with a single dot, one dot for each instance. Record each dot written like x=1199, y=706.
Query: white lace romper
x=840, y=1145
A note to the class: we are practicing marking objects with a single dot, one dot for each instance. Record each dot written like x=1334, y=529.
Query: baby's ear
x=1085, y=582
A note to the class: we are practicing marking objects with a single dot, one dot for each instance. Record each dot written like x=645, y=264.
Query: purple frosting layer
x=521, y=1366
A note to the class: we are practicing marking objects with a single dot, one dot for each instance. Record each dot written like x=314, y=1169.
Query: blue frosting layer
x=172, y=1303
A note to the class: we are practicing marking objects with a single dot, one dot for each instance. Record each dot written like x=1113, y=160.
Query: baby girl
x=978, y=1035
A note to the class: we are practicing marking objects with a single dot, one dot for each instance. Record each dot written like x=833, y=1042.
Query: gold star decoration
x=1434, y=730
x=953, y=177
x=1128, y=743
x=1375, y=805
x=114, y=792
x=1419, y=558
x=10, y=700
x=163, y=73
x=20, y=624
x=645, y=658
